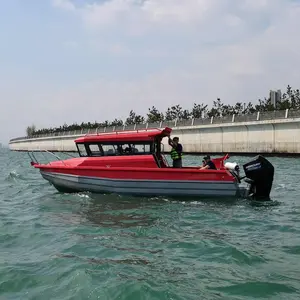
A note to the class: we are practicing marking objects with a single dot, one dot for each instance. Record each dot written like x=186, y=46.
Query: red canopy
x=123, y=136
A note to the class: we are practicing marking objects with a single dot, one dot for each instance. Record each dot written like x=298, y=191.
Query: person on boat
x=176, y=152
x=208, y=164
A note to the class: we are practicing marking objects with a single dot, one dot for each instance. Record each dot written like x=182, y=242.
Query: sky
x=66, y=61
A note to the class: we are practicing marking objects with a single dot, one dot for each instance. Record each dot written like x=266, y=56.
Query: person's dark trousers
x=177, y=163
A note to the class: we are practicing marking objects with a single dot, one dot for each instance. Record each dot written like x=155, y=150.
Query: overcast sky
x=86, y=60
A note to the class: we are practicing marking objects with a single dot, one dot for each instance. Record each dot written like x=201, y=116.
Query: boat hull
x=73, y=183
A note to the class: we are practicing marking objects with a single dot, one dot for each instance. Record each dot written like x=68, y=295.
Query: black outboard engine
x=261, y=174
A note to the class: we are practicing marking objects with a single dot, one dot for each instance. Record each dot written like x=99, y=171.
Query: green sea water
x=83, y=246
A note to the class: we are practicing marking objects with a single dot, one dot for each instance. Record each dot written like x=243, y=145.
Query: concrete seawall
x=281, y=136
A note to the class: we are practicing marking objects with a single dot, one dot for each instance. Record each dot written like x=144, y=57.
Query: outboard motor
x=261, y=174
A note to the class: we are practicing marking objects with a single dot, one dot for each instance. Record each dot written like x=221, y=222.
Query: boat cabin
x=136, y=145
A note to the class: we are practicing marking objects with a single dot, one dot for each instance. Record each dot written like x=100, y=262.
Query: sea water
x=84, y=246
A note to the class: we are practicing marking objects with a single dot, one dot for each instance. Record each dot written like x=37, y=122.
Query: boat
x=133, y=163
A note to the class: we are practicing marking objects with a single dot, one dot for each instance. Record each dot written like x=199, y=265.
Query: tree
x=154, y=116
x=283, y=104
x=131, y=118
x=217, y=109
x=290, y=99
x=116, y=122
x=185, y=115
x=176, y=112
x=265, y=105
x=30, y=130
x=134, y=118
x=238, y=109
x=227, y=110
x=297, y=96
x=199, y=111
x=249, y=109
x=106, y=123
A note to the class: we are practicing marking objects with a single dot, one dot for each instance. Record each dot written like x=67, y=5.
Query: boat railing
x=124, y=131
x=35, y=160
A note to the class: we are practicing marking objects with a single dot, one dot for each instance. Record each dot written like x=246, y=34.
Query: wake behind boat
x=132, y=162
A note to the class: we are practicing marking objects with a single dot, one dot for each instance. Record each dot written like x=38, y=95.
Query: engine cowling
x=261, y=174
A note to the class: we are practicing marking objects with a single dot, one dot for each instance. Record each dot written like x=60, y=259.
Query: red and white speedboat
x=132, y=162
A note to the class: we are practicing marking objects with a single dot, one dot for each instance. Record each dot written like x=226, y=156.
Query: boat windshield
x=115, y=149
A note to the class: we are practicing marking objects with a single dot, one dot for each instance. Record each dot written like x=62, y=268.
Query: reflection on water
x=109, y=211
x=122, y=212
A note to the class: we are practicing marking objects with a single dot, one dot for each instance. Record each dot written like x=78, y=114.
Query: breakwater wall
x=277, y=134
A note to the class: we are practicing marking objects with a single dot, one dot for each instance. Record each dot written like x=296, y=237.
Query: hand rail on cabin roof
x=125, y=131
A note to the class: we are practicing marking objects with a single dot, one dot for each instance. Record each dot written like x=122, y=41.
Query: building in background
x=275, y=97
